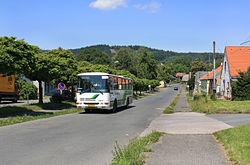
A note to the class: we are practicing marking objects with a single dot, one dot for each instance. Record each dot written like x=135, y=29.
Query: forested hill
x=159, y=55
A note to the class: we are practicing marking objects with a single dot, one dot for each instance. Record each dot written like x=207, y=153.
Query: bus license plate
x=91, y=105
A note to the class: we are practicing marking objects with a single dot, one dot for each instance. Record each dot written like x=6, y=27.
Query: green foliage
x=16, y=56
x=213, y=98
x=57, y=65
x=197, y=65
x=241, y=88
x=131, y=154
x=28, y=89
x=191, y=82
x=146, y=67
x=200, y=103
x=94, y=56
x=126, y=60
x=161, y=56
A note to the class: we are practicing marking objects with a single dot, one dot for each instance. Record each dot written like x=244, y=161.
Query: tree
x=94, y=56
x=146, y=67
x=16, y=56
x=126, y=59
x=57, y=65
x=164, y=73
x=241, y=88
x=197, y=65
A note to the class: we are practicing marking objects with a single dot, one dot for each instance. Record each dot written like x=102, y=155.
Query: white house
x=236, y=59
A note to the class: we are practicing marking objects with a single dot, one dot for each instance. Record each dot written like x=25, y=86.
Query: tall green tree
x=197, y=65
x=164, y=73
x=126, y=60
x=16, y=56
x=146, y=67
x=94, y=56
x=57, y=65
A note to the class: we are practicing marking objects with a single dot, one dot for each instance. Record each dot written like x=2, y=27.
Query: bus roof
x=99, y=74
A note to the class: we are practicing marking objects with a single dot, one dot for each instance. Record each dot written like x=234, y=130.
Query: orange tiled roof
x=211, y=74
x=238, y=59
x=180, y=74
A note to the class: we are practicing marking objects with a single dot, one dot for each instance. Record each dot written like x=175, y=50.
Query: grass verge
x=15, y=110
x=131, y=154
x=206, y=105
x=36, y=116
x=138, y=97
x=237, y=143
x=18, y=114
x=170, y=108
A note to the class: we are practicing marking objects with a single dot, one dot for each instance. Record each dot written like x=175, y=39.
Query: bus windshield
x=93, y=84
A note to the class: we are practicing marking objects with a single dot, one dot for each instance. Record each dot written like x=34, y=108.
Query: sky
x=176, y=25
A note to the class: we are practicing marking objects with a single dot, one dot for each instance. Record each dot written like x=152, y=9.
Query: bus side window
x=115, y=83
x=111, y=83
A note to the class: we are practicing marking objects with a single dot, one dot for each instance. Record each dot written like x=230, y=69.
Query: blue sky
x=177, y=25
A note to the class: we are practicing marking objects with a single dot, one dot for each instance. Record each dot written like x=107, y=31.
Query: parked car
x=175, y=88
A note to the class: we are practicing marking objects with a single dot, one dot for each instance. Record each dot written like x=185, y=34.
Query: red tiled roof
x=211, y=74
x=238, y=59
x=180, y=74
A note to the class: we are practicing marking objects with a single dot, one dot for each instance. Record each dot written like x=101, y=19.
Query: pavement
x=189, y=138
x=21, y=102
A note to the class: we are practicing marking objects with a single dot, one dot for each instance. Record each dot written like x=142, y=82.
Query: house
x=207, y=81
x=179, y=75
x=185, y=78
x=198, y=76
x=236, y=59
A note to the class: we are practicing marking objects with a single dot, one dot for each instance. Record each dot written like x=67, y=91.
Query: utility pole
x=214, y=84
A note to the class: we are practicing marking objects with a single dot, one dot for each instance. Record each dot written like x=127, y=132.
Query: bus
x=97, y=90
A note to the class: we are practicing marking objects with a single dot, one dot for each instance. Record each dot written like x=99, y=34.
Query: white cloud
x=107, y=4
x=153, y=7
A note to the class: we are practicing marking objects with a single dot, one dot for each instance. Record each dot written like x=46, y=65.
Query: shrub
x=27, y=89
x=212, y=97
x=56, y=98
x=241, y=88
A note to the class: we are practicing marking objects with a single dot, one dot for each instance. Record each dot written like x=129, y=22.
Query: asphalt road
x=81, y=138
x=232, y=119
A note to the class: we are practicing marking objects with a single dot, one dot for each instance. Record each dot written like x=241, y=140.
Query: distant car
x=175, y=88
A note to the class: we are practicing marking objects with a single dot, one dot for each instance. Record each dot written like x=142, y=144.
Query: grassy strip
x=204, y=104
x=137, y=97
x=36, y=116
x=237, y=142
x=131, y=154
x=15, y=110
x=170, y=108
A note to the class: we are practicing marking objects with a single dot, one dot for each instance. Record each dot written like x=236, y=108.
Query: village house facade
x=236, y=59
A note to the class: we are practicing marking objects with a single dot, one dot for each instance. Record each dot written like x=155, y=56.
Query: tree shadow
x=15, y=111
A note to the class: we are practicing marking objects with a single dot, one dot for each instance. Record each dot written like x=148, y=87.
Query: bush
x=27, y=89
x=212, y=97
x=56, y=98
x=241, y=88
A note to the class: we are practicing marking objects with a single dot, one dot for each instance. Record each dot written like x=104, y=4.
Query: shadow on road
x=6, y=112
x=99, y=111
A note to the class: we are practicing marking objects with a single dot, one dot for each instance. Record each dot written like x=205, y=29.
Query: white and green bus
x=98, y=90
